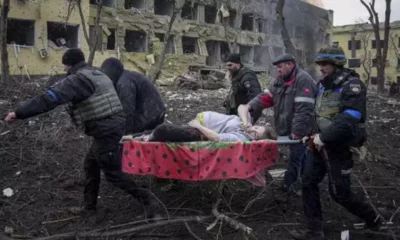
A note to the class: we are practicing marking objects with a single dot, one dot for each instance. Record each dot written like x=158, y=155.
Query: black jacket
x=348, y=127
x=72, y=89
x=245, y=87
x=142, y=103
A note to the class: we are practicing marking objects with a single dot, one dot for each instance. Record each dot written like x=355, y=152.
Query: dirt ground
x=42, y=162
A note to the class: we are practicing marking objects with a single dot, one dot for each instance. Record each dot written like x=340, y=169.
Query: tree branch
x=5, y=67
x=157, y=70
x=284, y=32
x=96, y=33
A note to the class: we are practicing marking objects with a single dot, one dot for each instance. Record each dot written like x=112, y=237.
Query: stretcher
x=201, y=161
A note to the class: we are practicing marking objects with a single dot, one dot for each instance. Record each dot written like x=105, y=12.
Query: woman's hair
x=269, y=133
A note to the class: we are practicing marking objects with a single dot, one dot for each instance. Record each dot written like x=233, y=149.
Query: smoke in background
x=318, y=3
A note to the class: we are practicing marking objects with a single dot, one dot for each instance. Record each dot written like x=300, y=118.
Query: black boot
x=307, y=235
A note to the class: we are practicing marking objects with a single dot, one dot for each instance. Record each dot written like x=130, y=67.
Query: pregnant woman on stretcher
x=210, y=126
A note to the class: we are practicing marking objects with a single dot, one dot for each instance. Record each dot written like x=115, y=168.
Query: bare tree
x=381, y=49
x=285, y=34
x=5, y=67
x=92, y=43
x=363, y=34
x=177, y=5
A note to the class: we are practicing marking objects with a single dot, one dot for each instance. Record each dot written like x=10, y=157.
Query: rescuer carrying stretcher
x=340, y=117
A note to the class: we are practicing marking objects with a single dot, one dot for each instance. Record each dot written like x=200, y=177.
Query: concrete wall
x=307, y=24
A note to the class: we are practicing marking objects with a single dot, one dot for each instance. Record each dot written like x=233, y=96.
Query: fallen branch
x=59, y=220
x=191, y=232
x=222, y=217
x=374, y=207
x=96, y=234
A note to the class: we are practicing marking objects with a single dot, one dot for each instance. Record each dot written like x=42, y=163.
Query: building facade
x=39, y=31
x=358, y=42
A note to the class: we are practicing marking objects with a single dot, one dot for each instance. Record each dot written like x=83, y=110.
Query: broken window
x=247, y=22
x=374, y=44
x=111, y=39
x=139, y=4
x=170, y=43
x=225, y=50
x=189, y=11
x=210, y=13
x=63, y=35
x=217, y=52
x=135, y=41
x=245, y=52
x=354, y=63
x=213, y=53
x=357, y=44
x=276, y=27
x=261, y=56
x=163, y=7
x=299, y=32
x=106, y=3
x=278, y=51
x=189, y=45
x=99, y=40
x=21, y=32
x=261, y=25
x=232, y=19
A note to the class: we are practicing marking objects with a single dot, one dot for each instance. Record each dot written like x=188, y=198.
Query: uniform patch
x=355, y=88
x=307, y=91
x=247, y=85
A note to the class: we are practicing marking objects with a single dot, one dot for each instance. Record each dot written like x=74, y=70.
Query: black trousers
x=293, y=170
x=341, y=164
x=105, y=154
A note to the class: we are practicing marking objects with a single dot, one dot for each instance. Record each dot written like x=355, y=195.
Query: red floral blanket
x=200, y=160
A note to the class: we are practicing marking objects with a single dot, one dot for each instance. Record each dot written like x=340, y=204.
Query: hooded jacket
x=140, y=99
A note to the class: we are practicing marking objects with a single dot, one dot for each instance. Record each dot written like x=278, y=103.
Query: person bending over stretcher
x=210, y=126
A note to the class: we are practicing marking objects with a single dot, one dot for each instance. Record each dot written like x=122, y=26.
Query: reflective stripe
x=52, y=95
x=353, y=113
x=268, y=92
x=304, y=99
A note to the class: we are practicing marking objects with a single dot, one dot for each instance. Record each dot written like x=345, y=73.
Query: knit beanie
x=73, y=56
x=233, y=57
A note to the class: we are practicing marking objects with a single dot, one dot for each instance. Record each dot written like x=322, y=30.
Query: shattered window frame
x=133, y=4
x=30, y=37
x=208, y=16
x=171, y=43
x=194, y=14
x=196, y=45
x=158, y=8
x=72, y=27
x=135, y=49
x=247, y=23
x=106, y=3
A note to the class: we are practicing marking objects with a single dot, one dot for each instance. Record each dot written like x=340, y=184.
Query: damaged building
x=204, y=32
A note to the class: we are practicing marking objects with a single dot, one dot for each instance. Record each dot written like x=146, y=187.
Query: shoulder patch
x=247, y=84
x=355, y=88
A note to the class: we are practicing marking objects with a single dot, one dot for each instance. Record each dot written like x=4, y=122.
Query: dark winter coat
x=293, y=100
x=142, y=103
